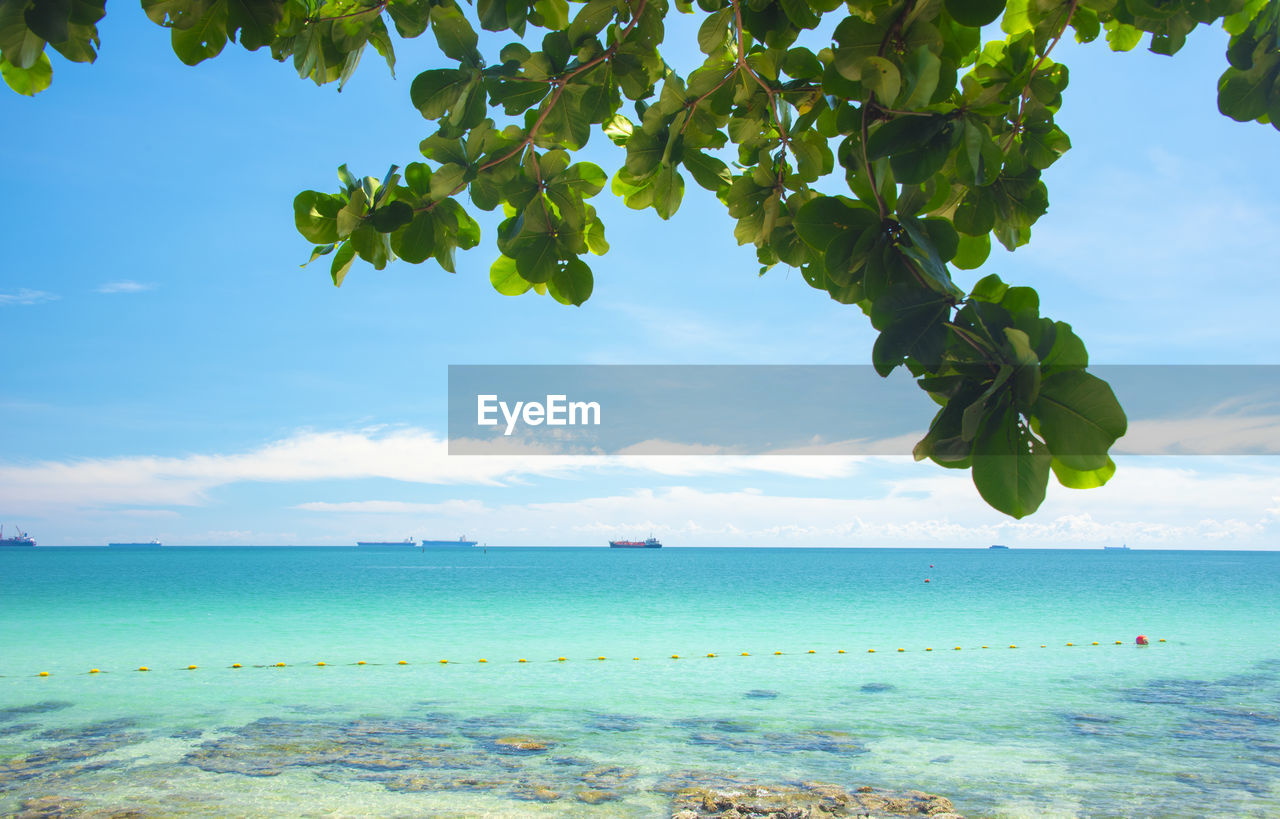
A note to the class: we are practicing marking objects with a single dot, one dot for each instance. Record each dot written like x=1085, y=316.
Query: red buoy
x=926, y=580
x=1142, y=640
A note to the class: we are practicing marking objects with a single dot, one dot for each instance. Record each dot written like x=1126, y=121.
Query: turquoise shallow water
x=1187, y=727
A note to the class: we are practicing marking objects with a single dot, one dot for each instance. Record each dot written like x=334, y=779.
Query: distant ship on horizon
x=410, y=543
x=150, y=544
x=21, y=540
x=1115, y=548
x=998, y=546
x=650, y=543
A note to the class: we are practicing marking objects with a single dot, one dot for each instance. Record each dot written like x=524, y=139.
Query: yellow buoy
x=1012, y=646
x=711, y=655
x=1042, y=645
x=1162, y=639
x=870, y=651
x=635, y=658
x=599, y=658
x=280, y=665
x=236, y=665
x=44, y=673
x=559, y=659
x=928, y=649
x=1095, y=644
x=361, y=662
x=320, y=663
x=522, y=660
x=483, y=660
x=444, y=662
x=902, y=649
x=403, y=662
x=811, y=651
x=746, y=654
x=143, y=668
x=1119, y=643
x=957, y=648
x=1070, y=644
x=675, y=656
x=777, y=653
x=94, y=671
x=984, y=646
x=191, y=668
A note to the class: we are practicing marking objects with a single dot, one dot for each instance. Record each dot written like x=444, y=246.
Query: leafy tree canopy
x=874, y=159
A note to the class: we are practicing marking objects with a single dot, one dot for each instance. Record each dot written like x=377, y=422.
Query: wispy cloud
x=26, y=296
x=125, y=286
x=406, y=454
x=1148, y=505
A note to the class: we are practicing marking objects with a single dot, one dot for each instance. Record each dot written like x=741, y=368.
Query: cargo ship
x=1115, y=548
x=410, y=543
x=997, y=546
x=22, y=539
x=650, y=543
x=150, y=544
x=460, y=543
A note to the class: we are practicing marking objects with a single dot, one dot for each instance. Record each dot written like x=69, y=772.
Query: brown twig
x=559, y=83
x=1026, y=89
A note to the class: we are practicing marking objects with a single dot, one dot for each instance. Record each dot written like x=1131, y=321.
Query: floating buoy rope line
x=1141, y=640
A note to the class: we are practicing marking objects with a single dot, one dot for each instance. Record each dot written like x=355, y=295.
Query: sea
x=602, y=682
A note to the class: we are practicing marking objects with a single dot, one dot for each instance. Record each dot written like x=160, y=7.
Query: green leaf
x=342, y=263
x=315, y=215
x=27, y=81
x=415, y=243
x=820, y=220
x=976, y=13
x=668, y=190
x=506, y=279
x=256, y=21
x=48, y=19
x=1010, y=466
x=972, y=251
x=882, y=78
x=1244, y=95
x=434, y=92
x=391, y=216
x=572, y=283
x=206, y=38
x=1080, y=479
x=1122, y=36
x=714, y=31
x=555, y=13
x=707, y=171
x=453, y=33
x=1080, y=418
x=911, y=324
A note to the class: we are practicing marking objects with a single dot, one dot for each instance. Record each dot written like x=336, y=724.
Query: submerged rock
x=522, y=745
x=875, y=688
x=809, y=799
x=761, y=694
x=829, y=742
x=15, y=711
x=49, y=807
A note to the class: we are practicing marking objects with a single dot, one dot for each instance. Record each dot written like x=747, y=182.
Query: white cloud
x=1148, y=505
x=407, y=454
x=125, y=286
x=25, y=296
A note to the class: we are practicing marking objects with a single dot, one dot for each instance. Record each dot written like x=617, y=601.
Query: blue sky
x=170, y=371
